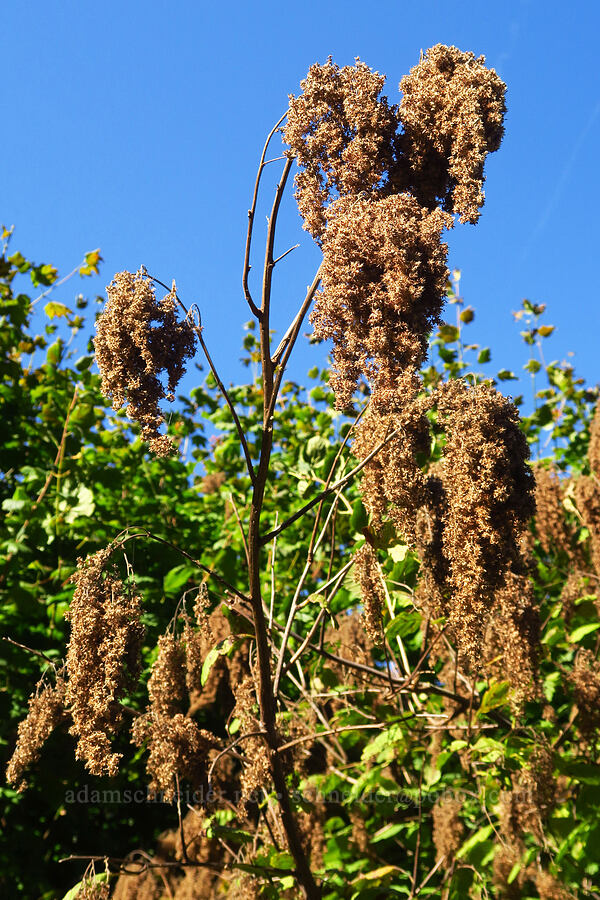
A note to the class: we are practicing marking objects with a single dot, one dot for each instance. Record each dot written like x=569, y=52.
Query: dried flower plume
x=103, y=658
x=138, y=340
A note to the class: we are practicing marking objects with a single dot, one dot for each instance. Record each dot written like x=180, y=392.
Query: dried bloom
x=392, y=481
x=91, y=889
x=368, y=576
x=46, y=711
x=574, y=588
x=342, y=134
x=256, y=771
x=512, y=641
x=351, y=641
x=594, y=448
x=550, y=889
x=587, y=498
x=452, y=112
x=167, y=682
x=447, y=828
x=178, y=750
x=488, y=500
x=585, y=679
x=384, y=276
x=132, y=353
x=525, y=808
x=552, y=528
x=103, y=658
x=507, y=855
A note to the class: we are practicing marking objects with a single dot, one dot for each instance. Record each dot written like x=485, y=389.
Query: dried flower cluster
x=452, y=115
x=512, y=641
x=481, y=498
x=133, y=353
x=552, y=528
x=448, y=828
x=256, y=771
x=178, y=747
x=393, y=482
x=378, y=201
x=384, y=275
x=342, y=134
x=46, y=711
x=103, y=658
x=585, y=679
x=368, y=576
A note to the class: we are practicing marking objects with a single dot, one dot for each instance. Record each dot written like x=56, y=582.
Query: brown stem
x=255, y=310
x=266, y=699
x=265, y=339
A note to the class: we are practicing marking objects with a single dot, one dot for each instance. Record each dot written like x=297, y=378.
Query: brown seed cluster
x=452, y=114
x=594, y=447
x=392, y=480
x=256, y=771
x=342, y=134
x=368, y=576
x=552, y=528
x=448, y=828
x=585, y=679
x=46, y=711
x=512, y=640
x=525, y=808
x=481, y=500
x=138, y=341
x=587, y=498
x=384, y=275
x=103, y=658
x=178, y=747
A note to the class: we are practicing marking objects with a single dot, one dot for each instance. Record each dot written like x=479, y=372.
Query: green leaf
x=496, y=695
x=533, y=366
x=177, y=577
x=95, y=879
x=359, y=518
x=85, y=506
x=484, y=356
x=582, y=631
x=56, y=310
x=448, y=333
x=475, y=839
x=220, y=649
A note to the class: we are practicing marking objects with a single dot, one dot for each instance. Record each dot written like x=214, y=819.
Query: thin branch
x=331, y=731
x=229, y=748
x=291, y=335
x=39, y=653
x=240, y=526
x=251, y=212
x=198, y=331
x=143, y=532
x=265, y=308
x=283, y=255
x=232, y=410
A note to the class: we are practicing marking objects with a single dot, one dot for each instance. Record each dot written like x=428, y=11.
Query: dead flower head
x=103, y=658
x=486, y=501
x=452, y=112
x=342, y=134
x=46, y=710
x=138, y=340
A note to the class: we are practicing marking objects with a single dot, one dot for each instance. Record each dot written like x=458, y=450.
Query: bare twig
x=251, y=212
x=198, y=331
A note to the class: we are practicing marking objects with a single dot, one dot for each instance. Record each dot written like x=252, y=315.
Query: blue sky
x=136, y=127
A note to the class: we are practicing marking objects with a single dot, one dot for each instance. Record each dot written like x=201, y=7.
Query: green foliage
x=75, y=475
